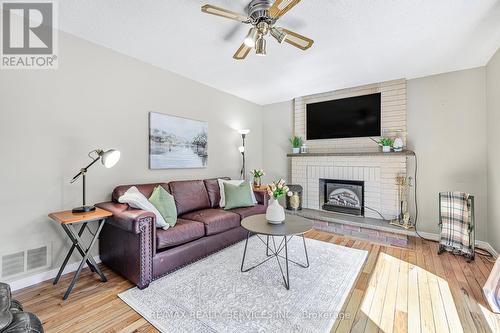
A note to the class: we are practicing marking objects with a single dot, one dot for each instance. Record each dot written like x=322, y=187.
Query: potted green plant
x=296, y=142
x=386, y=144
x=257, y=175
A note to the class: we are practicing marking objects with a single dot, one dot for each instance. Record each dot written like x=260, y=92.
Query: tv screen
x=344, y=118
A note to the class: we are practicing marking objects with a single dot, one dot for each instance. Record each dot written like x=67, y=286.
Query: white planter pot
x=275, y=214
x=295, y=150
x=386, y=149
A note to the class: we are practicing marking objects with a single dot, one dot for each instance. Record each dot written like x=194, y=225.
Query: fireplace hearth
x=342, y=196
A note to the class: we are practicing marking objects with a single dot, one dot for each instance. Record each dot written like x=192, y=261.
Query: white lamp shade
x=244, y=131
x=110, y=158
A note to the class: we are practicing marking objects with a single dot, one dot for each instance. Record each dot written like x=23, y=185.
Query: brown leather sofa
x=131, y=245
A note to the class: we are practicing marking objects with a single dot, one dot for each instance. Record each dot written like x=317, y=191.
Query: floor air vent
x=14, y=264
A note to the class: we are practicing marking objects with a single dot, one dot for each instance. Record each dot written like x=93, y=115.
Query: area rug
x=212, y=295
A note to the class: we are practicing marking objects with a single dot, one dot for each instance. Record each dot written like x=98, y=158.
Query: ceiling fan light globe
x=260, y=47
x=278, y=35
x=251, y=37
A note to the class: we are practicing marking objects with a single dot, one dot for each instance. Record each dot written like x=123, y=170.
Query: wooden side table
x=68, y=222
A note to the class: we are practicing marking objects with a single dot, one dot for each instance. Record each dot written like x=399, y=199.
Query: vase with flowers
x=257, y=177
x=275, y=213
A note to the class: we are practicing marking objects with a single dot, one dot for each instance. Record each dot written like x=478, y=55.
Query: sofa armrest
x=127, y=243
x=262, y=197
x=126, y=218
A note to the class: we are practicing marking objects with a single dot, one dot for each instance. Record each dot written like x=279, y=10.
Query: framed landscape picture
x=177, y=143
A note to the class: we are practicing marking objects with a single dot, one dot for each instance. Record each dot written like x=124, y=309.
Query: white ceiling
x=356, y=41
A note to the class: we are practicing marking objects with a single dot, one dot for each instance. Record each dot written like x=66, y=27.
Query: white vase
x=296, y=150
x=275, y=214
x=398, y=144
x=386, y=149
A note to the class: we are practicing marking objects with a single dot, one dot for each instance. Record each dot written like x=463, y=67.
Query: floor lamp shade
x=108, y=158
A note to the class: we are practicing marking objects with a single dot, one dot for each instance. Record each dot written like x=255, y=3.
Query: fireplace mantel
x=353, y=153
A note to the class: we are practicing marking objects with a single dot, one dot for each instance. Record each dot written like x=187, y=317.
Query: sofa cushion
x=222, y=202
x=189, y=195
x=146, y=189
x=165, y=203
x=135, y=199
x=216, y=220
x=238, y=195
x=249, y=211
x=213, y=190
x=184, y=231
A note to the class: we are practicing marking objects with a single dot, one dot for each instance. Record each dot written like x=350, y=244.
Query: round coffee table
x=292, y=226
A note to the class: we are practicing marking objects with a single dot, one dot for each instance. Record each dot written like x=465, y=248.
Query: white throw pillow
x=222, y=202
x=136, y=199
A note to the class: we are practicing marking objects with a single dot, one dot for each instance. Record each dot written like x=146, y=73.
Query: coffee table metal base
x=273, y=251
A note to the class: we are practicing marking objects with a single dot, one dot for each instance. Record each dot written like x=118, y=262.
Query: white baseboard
x=44, y=276
x=480, y=244
x=487, y=246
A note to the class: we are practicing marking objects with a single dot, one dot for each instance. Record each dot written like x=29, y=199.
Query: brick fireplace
x=376, y=170
x=354, y=161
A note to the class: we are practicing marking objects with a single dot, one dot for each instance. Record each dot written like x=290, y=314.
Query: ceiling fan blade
x=214, y=10
x=297, y=40
x=242, y=52
x=281, y=7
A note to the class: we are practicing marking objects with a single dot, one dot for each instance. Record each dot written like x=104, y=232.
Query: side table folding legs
x=68, y=222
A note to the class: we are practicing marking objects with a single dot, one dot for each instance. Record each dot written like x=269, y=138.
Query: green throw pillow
x=164, y=202
x=238, y=195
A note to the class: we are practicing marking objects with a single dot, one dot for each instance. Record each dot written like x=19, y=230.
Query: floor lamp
x=241, y=148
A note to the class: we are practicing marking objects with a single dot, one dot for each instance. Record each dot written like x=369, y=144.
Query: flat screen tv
x=351, y=117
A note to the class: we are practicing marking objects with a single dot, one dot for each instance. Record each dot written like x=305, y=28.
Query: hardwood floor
x=399, y=290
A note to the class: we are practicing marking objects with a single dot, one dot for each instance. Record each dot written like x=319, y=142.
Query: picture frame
x=177, y=142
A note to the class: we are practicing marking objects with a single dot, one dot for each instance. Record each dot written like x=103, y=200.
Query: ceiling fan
x=262, y=15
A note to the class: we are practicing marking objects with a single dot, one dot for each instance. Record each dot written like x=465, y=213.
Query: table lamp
x=109, y=159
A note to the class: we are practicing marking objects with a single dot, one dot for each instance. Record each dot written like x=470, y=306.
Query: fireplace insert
x=342, y=196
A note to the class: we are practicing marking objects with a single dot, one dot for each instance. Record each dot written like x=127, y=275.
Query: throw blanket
x=491, y=289
x=456, y=223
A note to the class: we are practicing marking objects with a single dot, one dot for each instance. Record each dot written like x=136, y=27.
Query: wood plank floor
x=399, y=290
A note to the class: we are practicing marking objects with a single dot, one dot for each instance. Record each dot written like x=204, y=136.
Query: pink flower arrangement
x=278, y=189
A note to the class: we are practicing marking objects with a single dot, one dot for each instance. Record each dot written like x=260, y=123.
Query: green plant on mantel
x=386, y=142
x=296, y=141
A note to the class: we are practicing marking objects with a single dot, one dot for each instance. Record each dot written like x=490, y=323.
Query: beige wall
x=493, y=101
x=447, y=130
x=446, y=127
x=50, y=120
x=278, y=128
